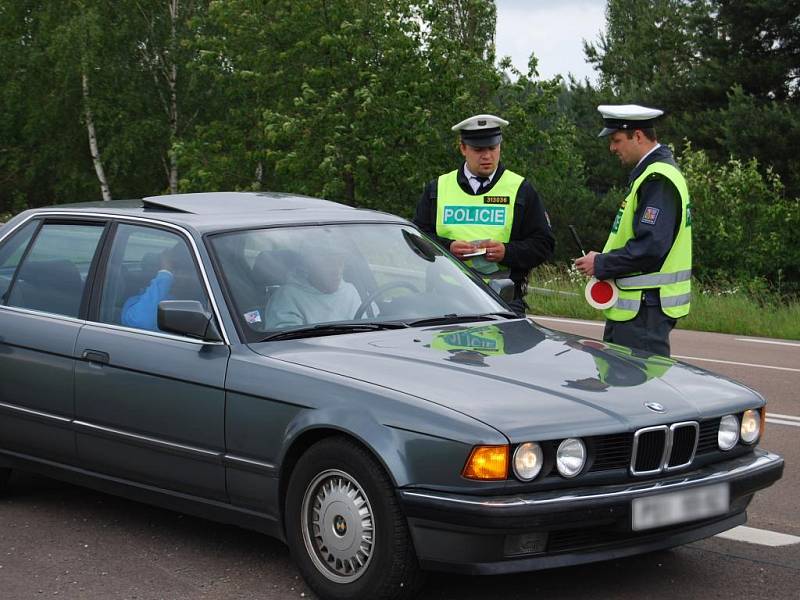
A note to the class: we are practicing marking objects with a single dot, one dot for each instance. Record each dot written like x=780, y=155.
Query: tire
x=347, y=558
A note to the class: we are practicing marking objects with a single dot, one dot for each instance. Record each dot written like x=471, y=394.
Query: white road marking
x=731, y=362
x=782, y=422
x=576, y=321
x=796, y=344
x=780, y=416
x=762, y=537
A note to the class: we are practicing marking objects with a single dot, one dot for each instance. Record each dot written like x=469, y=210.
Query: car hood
x=524, y=380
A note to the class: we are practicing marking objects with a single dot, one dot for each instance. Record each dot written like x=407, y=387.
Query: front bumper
x=526, y=532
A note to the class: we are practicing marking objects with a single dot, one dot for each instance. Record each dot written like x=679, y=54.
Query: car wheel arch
x=307, y=438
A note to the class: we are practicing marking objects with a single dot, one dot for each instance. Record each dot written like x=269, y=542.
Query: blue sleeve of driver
x=141, y=311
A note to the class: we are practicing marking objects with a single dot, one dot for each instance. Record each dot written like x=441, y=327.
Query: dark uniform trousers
x=649, y=330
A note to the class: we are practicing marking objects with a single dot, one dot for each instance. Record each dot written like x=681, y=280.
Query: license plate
x=679, y=507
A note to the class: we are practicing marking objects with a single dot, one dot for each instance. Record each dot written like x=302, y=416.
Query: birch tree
x=166, y=34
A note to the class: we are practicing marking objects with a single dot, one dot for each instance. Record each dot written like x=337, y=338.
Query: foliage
x=354, y=100
x=744, y=227
x=725, y=71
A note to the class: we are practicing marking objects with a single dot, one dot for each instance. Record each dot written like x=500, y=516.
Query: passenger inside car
x=169, y=283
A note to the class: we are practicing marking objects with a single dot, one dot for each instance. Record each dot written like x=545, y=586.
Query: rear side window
x=147, y=265
x=52, y=276
x=11, y=253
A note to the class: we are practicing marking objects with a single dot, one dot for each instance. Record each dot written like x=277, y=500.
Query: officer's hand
x=585, y=264
x=495, y=251
x=459, y=248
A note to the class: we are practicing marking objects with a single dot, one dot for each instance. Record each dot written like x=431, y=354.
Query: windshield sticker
x=252, y=317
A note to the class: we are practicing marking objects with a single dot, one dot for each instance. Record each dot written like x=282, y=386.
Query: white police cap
x=481, y=130
x=627, y=117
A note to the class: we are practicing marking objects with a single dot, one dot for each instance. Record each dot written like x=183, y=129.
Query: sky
x=553, y=30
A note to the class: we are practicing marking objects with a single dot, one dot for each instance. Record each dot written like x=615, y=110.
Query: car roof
x=220, y=211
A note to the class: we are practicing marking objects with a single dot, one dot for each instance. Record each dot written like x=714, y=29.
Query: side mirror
x=504, y=288
x=189, y=318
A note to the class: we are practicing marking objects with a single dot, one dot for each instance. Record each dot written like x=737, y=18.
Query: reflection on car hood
x=526, y=381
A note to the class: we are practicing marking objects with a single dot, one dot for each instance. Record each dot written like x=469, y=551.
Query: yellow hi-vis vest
x=673, y=281
x=463, y=216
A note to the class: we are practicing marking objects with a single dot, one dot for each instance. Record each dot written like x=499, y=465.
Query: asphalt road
x=58, y=540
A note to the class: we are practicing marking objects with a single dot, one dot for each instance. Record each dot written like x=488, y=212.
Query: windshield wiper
x=456, y=318
x=331, y=329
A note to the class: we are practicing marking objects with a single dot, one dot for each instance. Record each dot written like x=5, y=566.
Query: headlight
x=528, y=459
x=751, y=426
x=728, y=433
x=570, y=457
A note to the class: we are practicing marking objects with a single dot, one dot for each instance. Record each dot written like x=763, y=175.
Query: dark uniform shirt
x=654, y=232
x=531, y=241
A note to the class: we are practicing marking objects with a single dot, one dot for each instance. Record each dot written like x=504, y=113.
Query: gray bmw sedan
x=332, y=377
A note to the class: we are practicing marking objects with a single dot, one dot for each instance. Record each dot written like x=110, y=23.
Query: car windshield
x=297, y=278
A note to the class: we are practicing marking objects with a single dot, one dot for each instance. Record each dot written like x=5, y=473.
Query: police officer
x=649, y=250
x=486, y=215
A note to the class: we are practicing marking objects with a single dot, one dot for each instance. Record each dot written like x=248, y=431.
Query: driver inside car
x=315, y=292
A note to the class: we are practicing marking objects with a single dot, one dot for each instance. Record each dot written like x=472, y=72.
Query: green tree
x=707, y=62
x=352, y=101
x=744, y=227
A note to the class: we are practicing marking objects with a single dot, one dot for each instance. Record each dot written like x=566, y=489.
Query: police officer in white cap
x=486, y=215
x=649, y=250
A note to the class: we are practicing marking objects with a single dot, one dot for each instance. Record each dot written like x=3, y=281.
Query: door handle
x=96, y=356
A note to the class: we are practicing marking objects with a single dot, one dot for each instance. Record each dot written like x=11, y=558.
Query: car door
x=150, y=405
x=44, y=268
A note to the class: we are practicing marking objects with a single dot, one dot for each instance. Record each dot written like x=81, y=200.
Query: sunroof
x=228, y=202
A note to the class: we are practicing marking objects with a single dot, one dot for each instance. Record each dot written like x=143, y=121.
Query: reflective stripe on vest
x=487, y=216
x=652, y=280
x=673, y=281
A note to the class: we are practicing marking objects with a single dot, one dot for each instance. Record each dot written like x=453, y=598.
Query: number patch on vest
x=474, y=215
x=496, y=200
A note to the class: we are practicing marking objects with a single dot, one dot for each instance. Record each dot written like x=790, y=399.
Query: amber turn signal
x=487, y=463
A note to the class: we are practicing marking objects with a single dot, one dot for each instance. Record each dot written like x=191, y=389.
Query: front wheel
x=344, y=526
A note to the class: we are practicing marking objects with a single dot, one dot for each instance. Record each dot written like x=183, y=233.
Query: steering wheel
x=380, y=291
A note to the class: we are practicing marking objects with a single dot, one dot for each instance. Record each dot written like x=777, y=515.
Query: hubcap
x=338, y=526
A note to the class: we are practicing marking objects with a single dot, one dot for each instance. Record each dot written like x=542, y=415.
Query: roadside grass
x=557, y=291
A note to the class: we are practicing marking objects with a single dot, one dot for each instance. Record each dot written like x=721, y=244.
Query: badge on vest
x=474, y=215
x=650, y=215
x=497, y=200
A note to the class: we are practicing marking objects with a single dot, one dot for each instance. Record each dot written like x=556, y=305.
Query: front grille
x=684, y=444
x=648, y=450
x=616, y=451
x=707, y=440
x=660, y=448
x=612, y=452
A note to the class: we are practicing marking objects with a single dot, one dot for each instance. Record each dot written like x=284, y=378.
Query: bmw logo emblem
x=339, y=525
x=655, y=407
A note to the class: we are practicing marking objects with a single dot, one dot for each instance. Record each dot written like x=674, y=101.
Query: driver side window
x=147, y=265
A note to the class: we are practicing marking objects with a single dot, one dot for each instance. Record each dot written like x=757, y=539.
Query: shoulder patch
x=650, y=215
